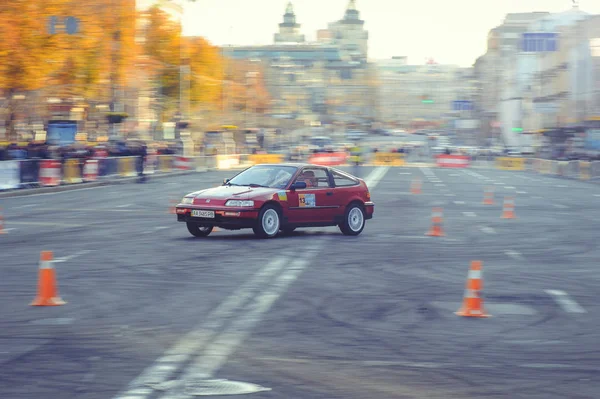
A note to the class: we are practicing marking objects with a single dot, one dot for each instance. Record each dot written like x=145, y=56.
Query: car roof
x=294, y=164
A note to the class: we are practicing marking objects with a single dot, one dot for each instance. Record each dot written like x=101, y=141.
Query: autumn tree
x=81, y=64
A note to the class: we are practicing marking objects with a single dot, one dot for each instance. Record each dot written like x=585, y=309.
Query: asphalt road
x=155, y=313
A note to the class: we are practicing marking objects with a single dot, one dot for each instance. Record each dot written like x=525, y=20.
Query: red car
x=280, y=197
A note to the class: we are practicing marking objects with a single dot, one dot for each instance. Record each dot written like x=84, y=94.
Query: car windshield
x=264, y=176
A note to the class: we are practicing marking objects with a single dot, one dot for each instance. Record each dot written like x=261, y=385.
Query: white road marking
x=172, y=360
x=488, y=230
x=560, y=186
x=59, y=192
x=68, y=258
x=405, y=173
x=24, y=206
x=459, y=202
x=454, y=174
x=521, y=192
x=124, y=206
x=469, y=214
x=375, y=176
x=560, y=206
x=440, y=185
x=9, y=229
x=509, y=188
x=498, y=183
x=564, y=301
x=450, y=195
x=537, y=197
x=50, y=224
x=514, y=254
x=217, y=354
x=596, y=195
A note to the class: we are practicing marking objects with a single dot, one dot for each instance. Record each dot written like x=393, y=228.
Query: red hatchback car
x=280, y=197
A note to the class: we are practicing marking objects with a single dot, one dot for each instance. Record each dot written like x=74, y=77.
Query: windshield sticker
x=307, y=200
x=282, y=195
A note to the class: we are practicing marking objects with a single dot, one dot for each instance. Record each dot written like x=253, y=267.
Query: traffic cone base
x=47, y=294
x=436, y=231
x=472, y=313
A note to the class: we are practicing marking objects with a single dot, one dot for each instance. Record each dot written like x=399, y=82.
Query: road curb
x=108, y=182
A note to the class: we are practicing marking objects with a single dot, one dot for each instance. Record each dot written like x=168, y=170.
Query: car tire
x=354, y=220
x=269, y=222
x=198, y=230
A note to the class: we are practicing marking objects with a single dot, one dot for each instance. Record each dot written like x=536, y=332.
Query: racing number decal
x=307, y=200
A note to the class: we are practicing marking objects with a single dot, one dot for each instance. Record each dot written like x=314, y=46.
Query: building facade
x=328, y=81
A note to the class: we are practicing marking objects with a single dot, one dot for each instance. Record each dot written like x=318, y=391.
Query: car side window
x=314, y=178
x=342, y=180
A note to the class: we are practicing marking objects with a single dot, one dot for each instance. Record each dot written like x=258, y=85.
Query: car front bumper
x=226, y=218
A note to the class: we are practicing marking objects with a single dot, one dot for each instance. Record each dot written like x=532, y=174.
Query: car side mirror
x=298, y=185
x=225, y=181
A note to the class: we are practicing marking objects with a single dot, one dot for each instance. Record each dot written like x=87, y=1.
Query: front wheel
x=354, y=220
x=198, y=230
x=269, y=222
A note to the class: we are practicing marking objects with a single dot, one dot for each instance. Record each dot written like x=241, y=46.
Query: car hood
x=223, y=193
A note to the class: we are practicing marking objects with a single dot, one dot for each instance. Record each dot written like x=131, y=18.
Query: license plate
x=203, y=214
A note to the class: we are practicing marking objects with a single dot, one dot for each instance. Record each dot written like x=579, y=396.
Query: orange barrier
x=436, y=223
x=47, y=288
x=90, y=170
x=50, y=173
x=508, y=211
x=472, y=301
x=415, y=186
x=488, y=196
x=173, y=207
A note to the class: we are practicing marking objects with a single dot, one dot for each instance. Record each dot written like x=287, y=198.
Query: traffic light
x=517, y=129
x=427, y=101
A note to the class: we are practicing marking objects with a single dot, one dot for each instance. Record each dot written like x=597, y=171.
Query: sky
x=450, y=32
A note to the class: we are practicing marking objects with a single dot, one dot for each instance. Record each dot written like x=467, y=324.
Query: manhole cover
x=221, y=387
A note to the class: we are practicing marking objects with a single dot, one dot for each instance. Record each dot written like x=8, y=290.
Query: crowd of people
x=41, y=150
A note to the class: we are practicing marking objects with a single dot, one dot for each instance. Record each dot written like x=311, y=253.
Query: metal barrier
x=31, y=173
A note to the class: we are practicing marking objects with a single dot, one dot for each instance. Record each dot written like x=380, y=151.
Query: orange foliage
x=31, y=58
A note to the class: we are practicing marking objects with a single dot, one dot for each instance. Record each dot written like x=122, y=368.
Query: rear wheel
x=199, y=230
x=354, y=220
x=269, y=222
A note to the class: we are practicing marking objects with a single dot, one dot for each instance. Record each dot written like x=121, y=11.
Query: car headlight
x=187, y=200
x=239, y=203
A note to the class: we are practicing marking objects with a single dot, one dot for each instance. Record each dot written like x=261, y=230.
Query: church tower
x=350, y=35
x=289, y=30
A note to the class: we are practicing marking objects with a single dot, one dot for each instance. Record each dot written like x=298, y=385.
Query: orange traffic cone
x=488, y=196
x=508, y=211
x=2, y=231
x=415, y=186
x=436, y=223
x=173, y=206
x=47, y=288
x=472, y=301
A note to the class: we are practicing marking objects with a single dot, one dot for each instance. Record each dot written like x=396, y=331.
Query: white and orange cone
x=47, y=288
x=436, y=230
x=472, y=301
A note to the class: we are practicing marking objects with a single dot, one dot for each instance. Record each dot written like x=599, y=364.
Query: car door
x=316, y=203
